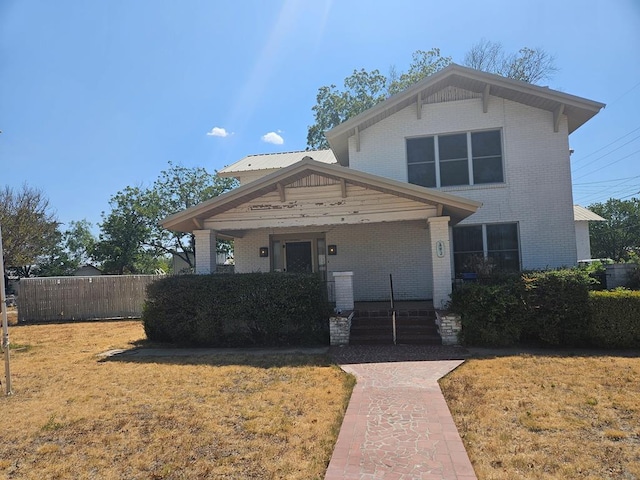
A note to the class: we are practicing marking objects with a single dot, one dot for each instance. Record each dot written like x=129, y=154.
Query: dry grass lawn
x=75, y=416
x=549, y=417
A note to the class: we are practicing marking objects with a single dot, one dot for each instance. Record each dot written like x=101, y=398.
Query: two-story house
x=462, y=168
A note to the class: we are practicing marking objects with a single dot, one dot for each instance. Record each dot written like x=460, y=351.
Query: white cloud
x=218, y=132
x=273, y=137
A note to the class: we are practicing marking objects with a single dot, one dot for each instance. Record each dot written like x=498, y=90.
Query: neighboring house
x=462, y=166
x=87, y=271
x=582, y=216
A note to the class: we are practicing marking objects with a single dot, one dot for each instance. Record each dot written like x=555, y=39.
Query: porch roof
x=457, y=208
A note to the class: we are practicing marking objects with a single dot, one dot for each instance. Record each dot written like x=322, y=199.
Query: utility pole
x=5, y=326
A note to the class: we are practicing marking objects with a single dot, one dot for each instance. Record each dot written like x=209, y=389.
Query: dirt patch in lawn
x=76, y=416
x=552, y=417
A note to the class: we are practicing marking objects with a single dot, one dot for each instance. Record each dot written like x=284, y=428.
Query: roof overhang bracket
x=280, y=188
x=485, y=98
x=557, y=113
x=357, y=134
x=197, y=223
x=419, y=105
x=439, y=209
x=343, y=187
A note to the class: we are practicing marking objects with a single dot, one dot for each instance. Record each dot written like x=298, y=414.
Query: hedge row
x=550, y=308
x=254, y=309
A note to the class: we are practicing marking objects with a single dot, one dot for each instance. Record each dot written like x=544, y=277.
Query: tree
x=131, y=238
x=177, y=189
x=29, y=228
x=124, y=232
x=79, y=242
x=531, y=65
x=362, y=89
x=619, y=237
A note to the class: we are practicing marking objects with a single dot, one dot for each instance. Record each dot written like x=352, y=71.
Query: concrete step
x=378, y=330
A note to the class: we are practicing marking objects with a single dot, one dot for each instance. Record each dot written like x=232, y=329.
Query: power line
x=607, y=165
x=606, y=181
x=607, y=145
x=608, y=153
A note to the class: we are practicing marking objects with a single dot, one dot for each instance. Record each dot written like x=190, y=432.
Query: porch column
x=440, y=260
x=344, y=290
x=205, y=251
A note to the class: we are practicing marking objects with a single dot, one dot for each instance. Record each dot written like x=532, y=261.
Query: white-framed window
x=496, y=243
x=470, y=158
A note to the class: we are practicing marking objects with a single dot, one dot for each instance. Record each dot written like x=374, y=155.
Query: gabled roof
x=193, y=218
x=581, y=214
x=578, y=110
x=271, y=161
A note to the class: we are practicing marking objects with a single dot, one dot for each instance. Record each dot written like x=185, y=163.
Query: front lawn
x=73, y=415
x=549, y=417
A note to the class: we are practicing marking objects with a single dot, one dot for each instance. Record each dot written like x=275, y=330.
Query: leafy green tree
x=132, y=239
x=29, y=228
x=124, y=233
x=362, y=89
x=79, y=242
x=619, y=237
x=178, y=188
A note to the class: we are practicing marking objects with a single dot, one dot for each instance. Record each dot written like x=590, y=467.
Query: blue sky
x=96, y=96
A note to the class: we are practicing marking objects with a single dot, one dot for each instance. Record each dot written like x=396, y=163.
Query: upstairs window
x=470, y=158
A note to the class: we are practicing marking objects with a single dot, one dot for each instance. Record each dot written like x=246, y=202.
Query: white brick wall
x=247, y=252
x=537, y=190
x=373, y=251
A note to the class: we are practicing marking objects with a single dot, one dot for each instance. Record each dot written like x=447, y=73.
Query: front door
x=298, y=257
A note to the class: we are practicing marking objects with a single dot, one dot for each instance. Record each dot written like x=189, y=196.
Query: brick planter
x=340, y=328
x=449, y=326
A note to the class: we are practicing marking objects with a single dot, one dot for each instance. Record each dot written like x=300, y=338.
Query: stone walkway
x=397, y=425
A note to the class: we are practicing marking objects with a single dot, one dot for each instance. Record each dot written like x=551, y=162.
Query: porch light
x=332, y=249
x=264, y=251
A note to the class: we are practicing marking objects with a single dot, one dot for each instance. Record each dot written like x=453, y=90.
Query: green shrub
x=255, y=309
x=557, y=307
x=615, y=319
x=491, y=314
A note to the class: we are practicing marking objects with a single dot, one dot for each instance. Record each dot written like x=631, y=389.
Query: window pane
x=452, y=146
x=466, y=262
x=502, y=237
x=454, y=173
x=486, y=144
x=420, y=150
x=467, y=239
x=422, y=174
x=509, y=261
x=487, y=170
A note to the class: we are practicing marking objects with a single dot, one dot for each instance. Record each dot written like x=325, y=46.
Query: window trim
x=470, y=157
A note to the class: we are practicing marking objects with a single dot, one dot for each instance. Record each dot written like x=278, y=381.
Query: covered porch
x=315, y=217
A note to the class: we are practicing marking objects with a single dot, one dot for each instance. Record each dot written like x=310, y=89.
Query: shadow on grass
x=561, y=352
x=254, y=357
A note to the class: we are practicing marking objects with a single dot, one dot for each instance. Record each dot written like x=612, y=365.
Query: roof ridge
x=286, y=153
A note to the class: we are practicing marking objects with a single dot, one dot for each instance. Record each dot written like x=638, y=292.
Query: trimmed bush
x=545, y=308
x=557, y=304
x=615, y=319
x=492, y=315
x=232, y=310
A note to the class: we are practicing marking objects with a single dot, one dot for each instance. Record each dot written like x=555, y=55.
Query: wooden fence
x=82, y=298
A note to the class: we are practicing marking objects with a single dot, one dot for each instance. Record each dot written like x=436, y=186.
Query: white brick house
x=463, y=165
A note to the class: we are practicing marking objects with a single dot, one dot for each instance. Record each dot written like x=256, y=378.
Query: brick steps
x=378, y=330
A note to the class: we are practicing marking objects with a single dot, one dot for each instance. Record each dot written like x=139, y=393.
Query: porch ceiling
x=274, y=189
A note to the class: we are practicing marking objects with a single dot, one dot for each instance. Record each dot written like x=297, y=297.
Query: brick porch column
x=205, y=251
x=440, y=260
